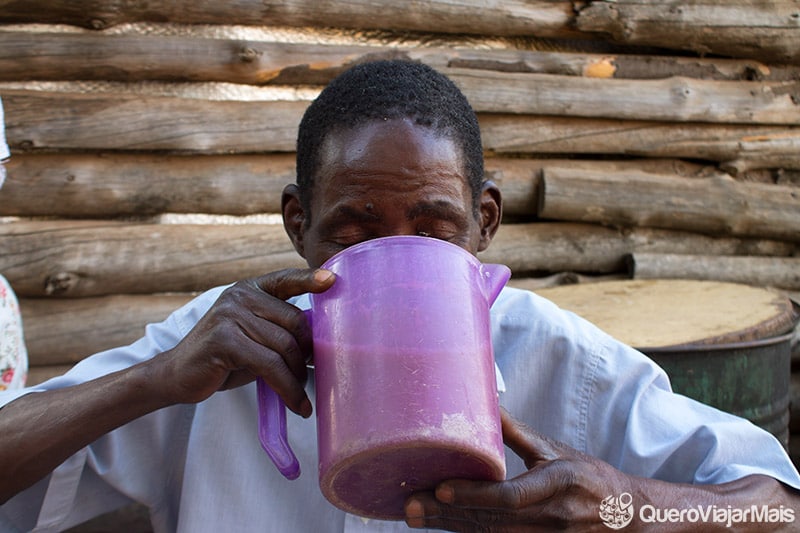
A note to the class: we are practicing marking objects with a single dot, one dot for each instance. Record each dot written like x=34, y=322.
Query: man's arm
x=41, y=430
x=563, y=489
x=249, y=331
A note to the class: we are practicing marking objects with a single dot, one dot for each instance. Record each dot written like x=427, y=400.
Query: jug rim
x=379, y=241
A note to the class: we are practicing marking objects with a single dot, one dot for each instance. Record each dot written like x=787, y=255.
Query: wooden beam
x=672, y=99
x=58, y=258
x=54, y=56
x=778, y=272
x=77, y=121
x=590, y=248
x=65, y=331
x=113, y=184
x=738, y=28
x=110, y=184
x=87, y=258
x=540, y=18
x=717, y=206
x=757, y=146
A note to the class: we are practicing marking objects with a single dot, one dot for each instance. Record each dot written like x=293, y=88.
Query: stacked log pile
x=630, y=138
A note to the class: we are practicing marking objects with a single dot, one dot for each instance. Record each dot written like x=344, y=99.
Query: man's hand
x=249, y=331
x=563, y=489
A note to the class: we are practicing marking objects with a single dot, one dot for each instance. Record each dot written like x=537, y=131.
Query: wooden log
x=29, y=55
x=60, y=258
x=519, y=179
x=738, y=28
x=83, y=258
x=741, y=29
x=40, y=374
x=674, y=99
x=539, y=248
x=757, y=145
x=43, y=120
x=779, y=272
x=141, y=122
x=542, y=18
x=113, y=185
x=717, y=206
x=59, y=332
x=560, y=279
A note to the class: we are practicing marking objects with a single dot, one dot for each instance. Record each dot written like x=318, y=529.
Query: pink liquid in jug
x=397, y=422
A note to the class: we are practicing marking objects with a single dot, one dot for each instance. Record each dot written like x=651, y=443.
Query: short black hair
x=389, y=89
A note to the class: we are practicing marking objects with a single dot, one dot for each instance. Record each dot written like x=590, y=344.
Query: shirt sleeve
x=653, y=432
x=573, y=382
x=141, y=461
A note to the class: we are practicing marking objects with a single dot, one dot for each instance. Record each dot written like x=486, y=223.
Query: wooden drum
x=724, y=344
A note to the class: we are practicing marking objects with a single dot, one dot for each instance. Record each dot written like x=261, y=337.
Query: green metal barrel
x=749, y=379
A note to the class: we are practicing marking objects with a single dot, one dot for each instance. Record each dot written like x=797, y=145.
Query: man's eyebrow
x=437, y=208
x=346, y=211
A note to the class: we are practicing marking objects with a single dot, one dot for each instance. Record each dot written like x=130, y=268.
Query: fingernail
x=322, y=275
x=414, y=513
x=445, y=494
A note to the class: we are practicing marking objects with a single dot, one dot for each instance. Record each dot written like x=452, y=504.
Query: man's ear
x=490, y=211
x=294, y=216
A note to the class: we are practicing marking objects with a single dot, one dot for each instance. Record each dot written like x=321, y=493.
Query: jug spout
x=495, y=276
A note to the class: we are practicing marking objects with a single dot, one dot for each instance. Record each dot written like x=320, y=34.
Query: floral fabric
x=13, y=355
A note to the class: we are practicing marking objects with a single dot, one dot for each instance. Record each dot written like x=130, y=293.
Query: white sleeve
x=141, y=461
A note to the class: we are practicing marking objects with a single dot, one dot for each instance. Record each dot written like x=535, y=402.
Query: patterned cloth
x=13, y=355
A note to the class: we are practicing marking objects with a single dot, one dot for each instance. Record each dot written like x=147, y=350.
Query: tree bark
x=40, y=374
x=739, y=28
x=113, y=185
x=589, y=248
x=755, y=146
x=59, y=332
x=131, y=57
x=673, y=99
x=117, y=185
x=71, y=121
x=543, y=18
x=84, y=258
x=778, y=272
x=718, y=206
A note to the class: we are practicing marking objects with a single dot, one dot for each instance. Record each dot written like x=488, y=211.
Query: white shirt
x=200, y=468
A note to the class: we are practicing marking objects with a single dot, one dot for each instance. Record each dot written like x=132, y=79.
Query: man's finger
x=525, y=442
x=511, y=494
x=295, y=281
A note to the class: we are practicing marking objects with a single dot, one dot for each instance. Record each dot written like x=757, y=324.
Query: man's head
x=384, y=90
x=389, y=148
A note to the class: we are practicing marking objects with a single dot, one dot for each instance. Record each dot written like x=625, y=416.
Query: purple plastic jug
x=406, y=393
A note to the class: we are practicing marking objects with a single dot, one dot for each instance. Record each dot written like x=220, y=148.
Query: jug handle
x=272, y=430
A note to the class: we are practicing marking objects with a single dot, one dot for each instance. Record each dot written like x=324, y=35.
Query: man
x=388, y=148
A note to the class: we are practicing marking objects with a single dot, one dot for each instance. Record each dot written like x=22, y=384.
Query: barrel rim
x=757, y=343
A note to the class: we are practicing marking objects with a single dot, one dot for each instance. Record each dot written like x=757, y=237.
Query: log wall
x=622, y=133
x=150, y=144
